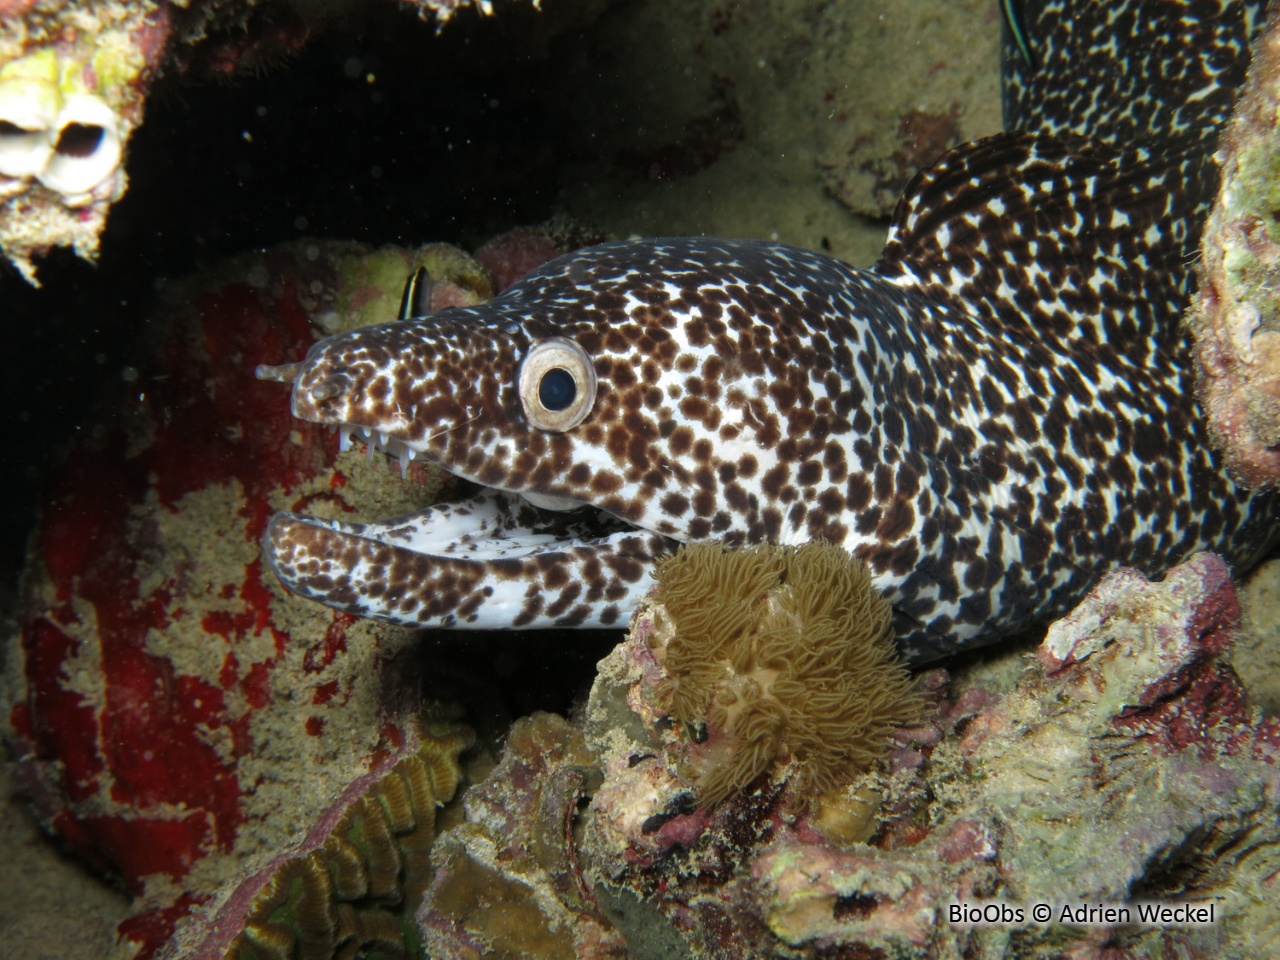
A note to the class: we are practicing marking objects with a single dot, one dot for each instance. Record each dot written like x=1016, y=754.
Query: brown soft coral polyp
x=779, y=652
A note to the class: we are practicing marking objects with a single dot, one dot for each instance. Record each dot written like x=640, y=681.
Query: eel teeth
x=377, y=440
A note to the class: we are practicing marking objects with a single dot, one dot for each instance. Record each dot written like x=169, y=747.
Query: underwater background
x=307, y=128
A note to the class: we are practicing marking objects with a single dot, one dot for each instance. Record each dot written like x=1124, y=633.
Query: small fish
x=1016, y=31
x=415, y=301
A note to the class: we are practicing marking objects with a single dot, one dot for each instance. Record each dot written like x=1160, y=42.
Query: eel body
x=993, y=416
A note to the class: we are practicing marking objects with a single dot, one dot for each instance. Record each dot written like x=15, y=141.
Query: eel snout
x=314, y=384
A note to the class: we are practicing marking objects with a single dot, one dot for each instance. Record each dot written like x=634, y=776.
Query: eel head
x=603, y=406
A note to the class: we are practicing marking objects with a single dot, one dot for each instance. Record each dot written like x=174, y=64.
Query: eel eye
x=556, y=389
x=557, y=384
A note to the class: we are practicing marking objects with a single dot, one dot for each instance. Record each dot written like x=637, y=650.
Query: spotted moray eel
x=993, y=416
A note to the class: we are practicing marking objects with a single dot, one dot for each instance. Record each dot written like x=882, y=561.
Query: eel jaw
x=500, y=560
x=491, y=562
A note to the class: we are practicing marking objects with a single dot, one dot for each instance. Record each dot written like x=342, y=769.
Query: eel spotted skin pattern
x=993, y=416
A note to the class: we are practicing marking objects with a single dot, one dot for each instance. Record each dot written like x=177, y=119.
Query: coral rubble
x=1121, y=766
x=509, y=883
x=1236, y=313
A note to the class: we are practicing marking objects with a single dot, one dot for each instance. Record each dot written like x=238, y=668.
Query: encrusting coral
x=351, y=887
x=779, y=652
x=508, y=882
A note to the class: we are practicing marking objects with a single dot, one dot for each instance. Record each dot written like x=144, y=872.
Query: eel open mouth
x=495, y=560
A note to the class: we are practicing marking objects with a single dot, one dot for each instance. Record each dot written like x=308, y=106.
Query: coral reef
x=645, y=869
x=1123, y=767
x=1120, y=766
x=1236, y=313
x=350, y=887
x=508, y=882
x=172, y=711
x=778, y=653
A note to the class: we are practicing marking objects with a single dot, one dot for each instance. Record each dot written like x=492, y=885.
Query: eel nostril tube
x=283, y=373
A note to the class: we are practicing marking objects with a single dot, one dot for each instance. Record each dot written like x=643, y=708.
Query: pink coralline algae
x=511, y=255
x=1122, y=767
